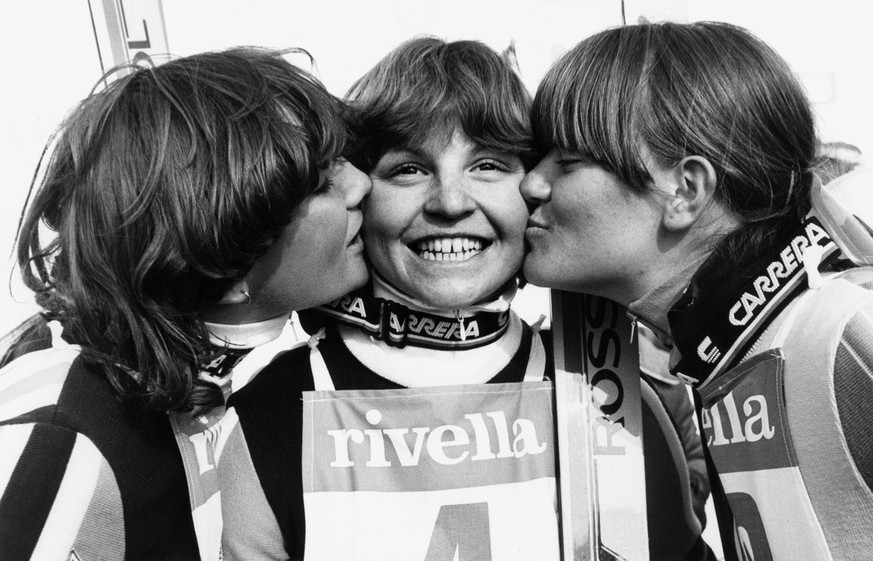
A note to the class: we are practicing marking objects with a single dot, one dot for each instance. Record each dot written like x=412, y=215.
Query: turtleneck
x=260, y=342
x=247, y=335
x=413, y=366
x=728, y=303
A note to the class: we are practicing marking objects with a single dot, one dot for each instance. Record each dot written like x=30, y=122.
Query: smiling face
x=445, y=222
x=319, y=256
x=589, y=232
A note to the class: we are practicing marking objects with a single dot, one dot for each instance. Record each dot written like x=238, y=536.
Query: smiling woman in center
x=442, y=129
x=444, y=224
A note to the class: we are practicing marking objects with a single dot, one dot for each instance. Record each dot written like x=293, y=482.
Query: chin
x=357, y=279
x=535, y=275
x=459, y=298
x=448, y=303
x=339, y=285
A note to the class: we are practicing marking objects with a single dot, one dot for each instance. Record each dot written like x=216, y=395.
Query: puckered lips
x=449, y=248
x=356, y=220
x=535, y=227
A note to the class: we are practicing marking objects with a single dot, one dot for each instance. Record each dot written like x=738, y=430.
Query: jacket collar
x=728, y=303
x=400, y=320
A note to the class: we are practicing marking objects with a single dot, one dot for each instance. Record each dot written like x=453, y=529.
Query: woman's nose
x=357, y=184
x=535, y=187
x=449, y=197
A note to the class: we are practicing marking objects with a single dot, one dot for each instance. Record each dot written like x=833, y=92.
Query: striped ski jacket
x=79, y=478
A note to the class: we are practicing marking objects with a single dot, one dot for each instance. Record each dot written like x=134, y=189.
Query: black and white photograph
x=456, y=280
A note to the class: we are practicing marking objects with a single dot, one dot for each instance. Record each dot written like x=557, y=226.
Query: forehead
x=453, y=140
x=436, y=140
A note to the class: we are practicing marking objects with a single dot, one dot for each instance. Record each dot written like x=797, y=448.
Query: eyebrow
x=402, y=152
x=423, y=152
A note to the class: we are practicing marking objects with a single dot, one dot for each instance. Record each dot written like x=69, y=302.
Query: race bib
x=748, y=436
x=431, y=474
x=198, y=441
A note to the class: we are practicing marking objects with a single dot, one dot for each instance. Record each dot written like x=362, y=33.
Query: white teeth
x=448, y=249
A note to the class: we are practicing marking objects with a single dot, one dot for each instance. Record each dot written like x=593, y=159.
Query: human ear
x=237, y=294
x=693, y=189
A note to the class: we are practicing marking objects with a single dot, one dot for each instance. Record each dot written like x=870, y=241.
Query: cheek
x=571, y=211
x=511, y=223
x=515, y=234
x=387, y=214
x=382, y=212
x=510, y=212
x=323, y=231
x=381, y=241
x=319, y=248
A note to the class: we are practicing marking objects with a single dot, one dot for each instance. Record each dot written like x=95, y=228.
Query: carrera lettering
x=353, y=305
x=753, y=425
x=444, y=444
x=441, y=329
x=447, y=329
x=395, y=323
x=790, y=258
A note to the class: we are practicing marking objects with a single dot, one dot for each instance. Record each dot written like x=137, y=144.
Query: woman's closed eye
x=569, y=161
x=569, y=164
x=325, y=187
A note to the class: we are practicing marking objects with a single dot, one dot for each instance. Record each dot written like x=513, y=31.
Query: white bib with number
x=436, y=474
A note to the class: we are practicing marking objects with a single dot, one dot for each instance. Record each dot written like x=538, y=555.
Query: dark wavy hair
x=164, y=188
x=708, y=89
x=428, y=86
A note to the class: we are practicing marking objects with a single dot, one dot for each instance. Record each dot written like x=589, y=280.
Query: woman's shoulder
x=34, y=380
x=48, y=453
x=50, y=461
x=32, y=334
x=827, y=342
x=843, y=302
x=288, y=372
x=859, y=276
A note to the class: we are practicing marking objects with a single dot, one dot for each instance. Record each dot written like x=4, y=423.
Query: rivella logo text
x=726, y=423
x=444, y=444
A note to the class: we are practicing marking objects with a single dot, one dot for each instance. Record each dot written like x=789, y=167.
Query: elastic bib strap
x=536, y=364
x=320, y=374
